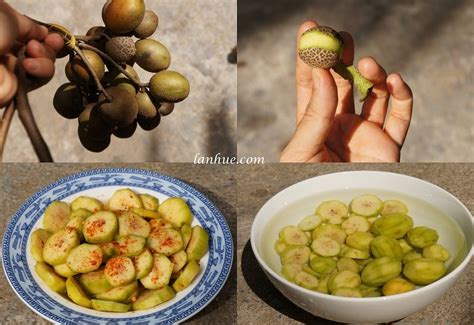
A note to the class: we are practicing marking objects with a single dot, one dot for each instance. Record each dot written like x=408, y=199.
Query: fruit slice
x=326, y=246
x=77, y=223
x=198, y=244
x=290, y=270
x=179, y=260
x=119, y=271
x=64, y=270
x=80, y=213
x=322, y=265
x=295, y=254
x=119, y=294
x=309, y=222
x=85, y=258
x=349, y=264
x=38, y=239
x=57, y=247
x=101, y=227
x=124, y=200
x=108, y=250
x=143, y=263
x=357, y=254
x=104, y=305
x=394, y=206
x=332, y=212
x=347, y=292
x=152, y=298
x=366, y=205
x=293, y=235
x=150, y=202
x=186, y=232
x=56, y=216
x=190, y=271
x=306, y=280
x=355, y=224
x=76, y=293
x=360, y=240
x=165, y=241
x=52, y=280
x=146, y=213
x=176, y=211
x=132, y=224
x=332, y=231
x=160, y=274
x=94, y=282
x=130, y=245
x=86, y=203
x=156, y=224
x=279, y=246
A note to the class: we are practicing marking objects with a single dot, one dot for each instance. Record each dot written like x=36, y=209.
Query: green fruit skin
x=420, y=237
x=148, y=26
x=423, y=271
x=68, y=101
x=169, y=86
x=360, y=240
x=322, y=265
x=152, y=56
x=345, y=278
x=409, y=256
x=381, y=270
x=123, y=16
x=397, y=286
x=394, y=225
x=386, y=246
x=437, y=252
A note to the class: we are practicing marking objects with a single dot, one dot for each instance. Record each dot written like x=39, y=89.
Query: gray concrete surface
x=200, y=35
x=19, y=181
x=259, y=302
x=429, y=42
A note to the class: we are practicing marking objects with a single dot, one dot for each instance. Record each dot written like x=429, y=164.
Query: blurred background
x=199, y=34
x=430, y=43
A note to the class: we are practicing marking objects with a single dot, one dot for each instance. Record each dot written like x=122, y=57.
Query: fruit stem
x=92, y=72
x=5, y=126
x=115, y=64
x=353, y=75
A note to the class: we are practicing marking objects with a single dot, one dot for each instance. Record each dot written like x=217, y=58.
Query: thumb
x=313, y=129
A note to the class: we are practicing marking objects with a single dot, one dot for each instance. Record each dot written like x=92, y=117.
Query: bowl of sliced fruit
x=117, y=245
x=363, y=246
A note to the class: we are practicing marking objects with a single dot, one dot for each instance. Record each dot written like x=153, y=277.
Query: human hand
x=328, y=128
x=41, y=50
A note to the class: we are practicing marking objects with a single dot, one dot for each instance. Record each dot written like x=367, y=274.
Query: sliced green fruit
x=119, y=294
x=95, y=282
x=306, y=280
x=198, y=244
x=80, y=213
x=87, y=203
x=64, y=270
x=111, y=306
x=84, y=258
x=100, y=228
x=146, y=213
x=176, y=211
x=310, y=222
x=326, y=246
x=119, y=271
x=160, y=274
x=152, y=298
x=357, y=254
x=343, y=279
x=129, y=245
x=77, y=223
x=190, y=271
x=332, y=212
x=150, y=202
x=349, y=264
x=322, y=265
x=290, y=270
x=332, y=231
x=279, y=246
x=355, y=224
x=132, y=224
x=143, y=263
x=76, y=293
x=293, y=235
x=186, y=232
x=58, y=245
x=52, y=280
x=165, y=241
x=38, y=239
x=360, y=240
x=124, y=200
x=179, y=260
x=394, y=206
x=295, y=254
x=160, y=223
x=366, y=205
x=56, y=216
x=108, y=250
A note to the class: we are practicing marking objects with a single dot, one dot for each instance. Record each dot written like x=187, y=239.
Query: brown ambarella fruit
x=122, y=110
x=166, y=109
x=70, y=73
x=152, y=56
x=122, y=81
x=121, y=48
x=169, y=86
x=92, y=144
x=127, y=131
x=80, y=69
x=148, y=25
x=123, y=16
x=68, y=101
x=148, y=116
x=93, y=124
x=96, y=31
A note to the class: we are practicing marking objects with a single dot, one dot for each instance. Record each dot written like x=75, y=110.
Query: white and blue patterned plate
x=18, y=263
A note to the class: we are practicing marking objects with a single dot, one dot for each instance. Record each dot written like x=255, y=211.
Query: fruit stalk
x=353, y=75
x=5, y=126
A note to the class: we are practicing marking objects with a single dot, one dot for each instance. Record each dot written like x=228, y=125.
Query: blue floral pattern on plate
x=15, y=248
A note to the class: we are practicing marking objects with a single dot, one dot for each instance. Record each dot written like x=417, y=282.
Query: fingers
x=41, y=68
x=55, y=42
x=8, y=84
x=35, y=49
x=344, y=87
x=304, y=79
x=8, y=28
x=376, y=105
x=314, y=127
x=398, y=120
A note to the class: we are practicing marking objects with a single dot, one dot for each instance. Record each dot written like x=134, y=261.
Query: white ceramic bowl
x=429, y=205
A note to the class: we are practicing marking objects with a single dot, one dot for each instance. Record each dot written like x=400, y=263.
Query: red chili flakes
x=96, y=257
x=96, y=227
x=115, y=266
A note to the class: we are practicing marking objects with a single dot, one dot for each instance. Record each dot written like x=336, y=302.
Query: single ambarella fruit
x=322, y=47
x=395, y=225
x=396, y=286
x=423, y=271
x=344, y=278
x=380, y=270
x=436, y=251
x=420, y=237
x=123, y=16
x=386, y=246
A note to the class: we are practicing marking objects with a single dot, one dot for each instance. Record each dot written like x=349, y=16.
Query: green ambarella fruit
x=117, y=79
x=346, y=263
x=404, y=245
x=148, y=25
x=420, y=237
x=322, y=265
x=166, y=109
x=123, y=16
x=68, y=101
x=122, y=110
x=93, y=124
x=345, y=278
x=367, y=290
x=322, y=47
x=381, y=270
x=347, y=292
x=411, y=255
x=436, y=251
x=423, y=271
x=332, y=231
x=169, y=86
x=350, y=252
x=386, y=246
x=148, y=115
x=397, y=286
x=394, y=225
x=360, y=240
x=152, y=55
